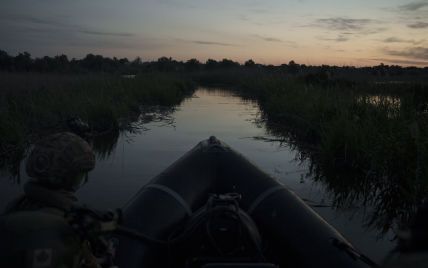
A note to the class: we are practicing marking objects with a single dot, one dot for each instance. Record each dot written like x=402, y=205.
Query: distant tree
x=211, y=64
x=124, y=61
x=61, y=63
x=137, y=62
x=96, y=63
x=23, y=61
x=249, y=63
x=42, y=64
x=293, y=68
x=91, y=62
x=226, y=63
x=192, y=65
x=396, y=70
x=166, y=64
x=5, y=61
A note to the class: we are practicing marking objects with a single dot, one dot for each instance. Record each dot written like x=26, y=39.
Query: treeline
x=24, y=62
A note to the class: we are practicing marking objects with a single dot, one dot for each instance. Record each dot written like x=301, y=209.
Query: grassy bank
x=34, y=104
x=368, y=142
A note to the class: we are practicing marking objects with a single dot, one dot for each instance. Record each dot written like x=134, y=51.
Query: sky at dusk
x=342, y=32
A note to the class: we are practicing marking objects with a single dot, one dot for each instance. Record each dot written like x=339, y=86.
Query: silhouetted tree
x=6, y=61
x=97, y=63
x=249, y=63
x=136, y=62
x=226, y=63
x=211, y=64
x=23, y=61
x=165, y=64
x=293, y=68
x=192, y=65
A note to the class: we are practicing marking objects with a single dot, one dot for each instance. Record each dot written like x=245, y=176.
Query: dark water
x=127, y=164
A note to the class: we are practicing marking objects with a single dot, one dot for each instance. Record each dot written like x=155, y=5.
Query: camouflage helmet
x=60, y=161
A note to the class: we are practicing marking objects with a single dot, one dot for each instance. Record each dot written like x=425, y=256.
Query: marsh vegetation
x=34, y=104
x=364, y=130
x=367, y=142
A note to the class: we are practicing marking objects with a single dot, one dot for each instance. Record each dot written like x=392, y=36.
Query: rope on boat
x=173, y=194
x=262, y=197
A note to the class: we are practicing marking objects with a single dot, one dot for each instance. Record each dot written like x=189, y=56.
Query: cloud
x=275, y=40
x=339, y=38
x=347, y=28
x=418, y=25
x=343, y=24
x=212, y=43
x=53, y=34
x=400, y=40
x=56, y=26
x=101, y=33
x=31, y=20
x=413, y=6
x=413, y=52
x=398, y=61
x=394, y=40
x=267, y=38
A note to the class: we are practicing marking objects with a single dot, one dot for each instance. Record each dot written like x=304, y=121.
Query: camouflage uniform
x=33, y=230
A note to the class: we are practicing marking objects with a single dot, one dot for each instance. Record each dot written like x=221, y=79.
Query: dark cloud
x=413, y=6
x=398, y=61
x=339, y=38
x=348, y=28
x=400, y=40
x=101, y=33
x=211, y=43
x=418, y=25
x=394, y=40
x=55, y=26
x=57, y=34
x=343, y=24
x=267, y=38
x=30, y=20
x=275, y=40
x=413, y=52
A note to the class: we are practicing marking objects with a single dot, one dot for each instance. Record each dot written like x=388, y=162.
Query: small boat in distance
x=213, y=208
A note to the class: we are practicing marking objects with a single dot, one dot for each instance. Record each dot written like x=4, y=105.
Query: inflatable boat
x=213, y=208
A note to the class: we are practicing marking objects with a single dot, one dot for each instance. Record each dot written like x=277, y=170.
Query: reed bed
x=33, y=104
x=367, y=142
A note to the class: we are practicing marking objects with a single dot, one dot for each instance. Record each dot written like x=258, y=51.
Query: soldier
x=33, y=230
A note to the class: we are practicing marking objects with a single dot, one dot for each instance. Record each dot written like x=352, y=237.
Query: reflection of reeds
x=368, y=142
x=33, y=105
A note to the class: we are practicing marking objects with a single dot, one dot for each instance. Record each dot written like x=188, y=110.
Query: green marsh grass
x=32, y=104
x=367, y=142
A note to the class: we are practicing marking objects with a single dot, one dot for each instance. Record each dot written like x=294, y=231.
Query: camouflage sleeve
x=88, y=259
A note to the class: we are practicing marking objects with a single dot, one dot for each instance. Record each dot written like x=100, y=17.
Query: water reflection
x=103, y=143
x=381, y=100
x=154, y=139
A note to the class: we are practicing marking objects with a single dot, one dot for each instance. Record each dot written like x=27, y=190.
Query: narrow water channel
x=138, y=157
